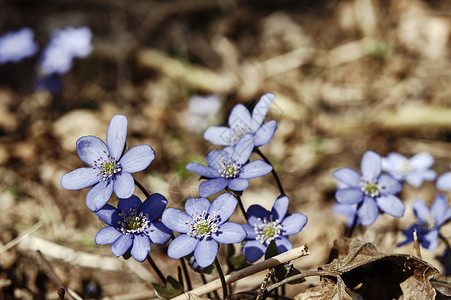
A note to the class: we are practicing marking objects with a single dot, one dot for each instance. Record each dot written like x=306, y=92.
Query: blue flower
x=414, y=170
x=229, y=168
x=133, y=226
x=15, y=46
x=444, y=182
x=371, y=190
x=65, y=44
x=429, y=222
x=264, y=226
x=110, y=170
x=348, y=210
x=203, y=226
x=241, y=122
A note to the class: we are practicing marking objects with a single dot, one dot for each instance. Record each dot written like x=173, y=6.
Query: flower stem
x=444, y=239
x=349, y=231
x=204, y=280
x=222, y=278
x=139, y=185
x=155, y=268
x=185, y=272
x=273, y=171
x=240, y=203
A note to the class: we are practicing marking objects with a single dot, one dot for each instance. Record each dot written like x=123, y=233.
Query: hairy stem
x=155, y=268
x=139, y=185
x=273, y=171
x=222, y=278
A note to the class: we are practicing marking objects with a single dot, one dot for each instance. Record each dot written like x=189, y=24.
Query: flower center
x=203, y=226
x=133, y=222
x=405, y=167
x=429, y=224
x=237, y=132
x=229, y=168
x=371, y=187
x=268, y=230
x=108, y=168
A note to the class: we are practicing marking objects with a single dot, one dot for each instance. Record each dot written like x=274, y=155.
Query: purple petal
x=283, y=244
x=223, y=206
x=107, y=235
x=243, y=149
x=90, y=149
x=218, y=135
x=238, y=184
x=80, y=178
x=444, y=182
x=389, y=184
x=348, y=176
x=255, y=169
x=129, y=202
x=108, y=214
x=439, y=210
x=422, y=160
x=99, y=195
x=260, y=110
x=265, y=134
x=137, y=159
x=141, y=247
x=116, y=134
x=421, y=210
x=205, y=252
x=124, y=186
x=229, y=233
x=181, y=246
x=195, y=206
x=250, y=232
x=253, y=250
x=370, y=165
x=154, y=206
x=215, y=157
x=349, y=195
x=256, y=212
x=294, y=223
x=368, y=211
x=122, y=244
x=430, y=240
x=240, y=116
x=158, y=233
x=212, y=186
x=202, y=170
x=176, y=220
x=392, y=205
x=280, y=207
x=409, y=235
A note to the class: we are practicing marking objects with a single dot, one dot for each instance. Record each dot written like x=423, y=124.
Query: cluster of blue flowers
x=56, y=58
x=134, y=225
x=363, y=196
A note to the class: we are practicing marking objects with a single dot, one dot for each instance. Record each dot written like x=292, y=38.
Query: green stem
x=273, y=171
x=222, y=278
x=139, y=185
x=155, y=267
x=185, y=272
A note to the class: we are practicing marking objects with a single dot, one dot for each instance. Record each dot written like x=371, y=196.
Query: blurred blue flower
x=429, y=222
x=17, y=45
x=371, y=191
x=347, y=210
x=413, y=171
x=133, y=226
x=110, y=170
x=203, y=226
x=241, y=122
x=264, y=226
x=202, y=112
x=65, y=44
x=229, y=168
x=443, y=182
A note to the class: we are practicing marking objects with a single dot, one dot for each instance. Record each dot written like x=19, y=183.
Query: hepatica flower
x=429, y=222
x=241, y=122
x=203, y=226
x=371, y=191
x=264, y=226
x=110, y=170
x=17, y=45
x=229, y=168
x=133, y=226
x=413, y=171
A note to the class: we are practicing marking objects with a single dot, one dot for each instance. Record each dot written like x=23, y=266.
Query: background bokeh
x=348, y=76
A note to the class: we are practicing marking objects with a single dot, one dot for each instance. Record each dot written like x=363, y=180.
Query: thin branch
x=300, y=276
